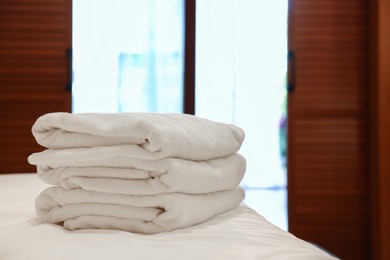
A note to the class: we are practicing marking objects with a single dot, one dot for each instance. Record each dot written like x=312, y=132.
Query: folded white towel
x=80, y=209
x=137, y=176
x=152, y=135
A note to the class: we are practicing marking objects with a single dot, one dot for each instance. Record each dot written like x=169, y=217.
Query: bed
x=240, y=233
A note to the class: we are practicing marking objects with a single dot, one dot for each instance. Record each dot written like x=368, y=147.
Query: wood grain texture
x=34, y=37
x=380, y=128
x=328, y=126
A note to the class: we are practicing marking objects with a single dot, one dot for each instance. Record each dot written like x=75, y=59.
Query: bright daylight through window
x=128, y=56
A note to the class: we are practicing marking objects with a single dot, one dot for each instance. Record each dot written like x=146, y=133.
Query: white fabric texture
x=240, y=233
x=80, y=209
x=118, y=173
x=150, y=135
x=138, y=172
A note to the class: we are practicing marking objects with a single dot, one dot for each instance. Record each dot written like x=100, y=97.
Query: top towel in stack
x=140, y=172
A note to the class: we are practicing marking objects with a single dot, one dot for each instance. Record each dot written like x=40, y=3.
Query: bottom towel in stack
x=149, y=214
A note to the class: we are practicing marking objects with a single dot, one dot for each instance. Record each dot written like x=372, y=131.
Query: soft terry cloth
x=80, y=209
x=150, y=135
x=116, y=173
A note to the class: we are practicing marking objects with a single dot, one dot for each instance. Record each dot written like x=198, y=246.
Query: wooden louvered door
x=34, y=38
x=328, y=125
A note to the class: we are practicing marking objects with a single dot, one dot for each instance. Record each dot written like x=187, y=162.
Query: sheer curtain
x=241, y=64
x=128, y=55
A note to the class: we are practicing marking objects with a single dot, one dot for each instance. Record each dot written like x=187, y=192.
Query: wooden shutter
x=328, y=125
x=34, y=37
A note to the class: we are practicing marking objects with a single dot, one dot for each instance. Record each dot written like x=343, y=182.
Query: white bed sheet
x=238, y=234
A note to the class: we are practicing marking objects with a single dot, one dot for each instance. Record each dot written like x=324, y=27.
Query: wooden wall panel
x=328, y=125
x=34, y=37
x=380, y=128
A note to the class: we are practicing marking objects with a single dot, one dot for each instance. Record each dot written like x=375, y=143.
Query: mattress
x=240, y=233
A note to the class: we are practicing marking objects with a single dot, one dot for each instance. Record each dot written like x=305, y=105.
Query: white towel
x=80, y=209
x=115, y=173
x=151, y=135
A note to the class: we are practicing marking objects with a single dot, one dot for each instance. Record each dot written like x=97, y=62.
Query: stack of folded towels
x=139, y=172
